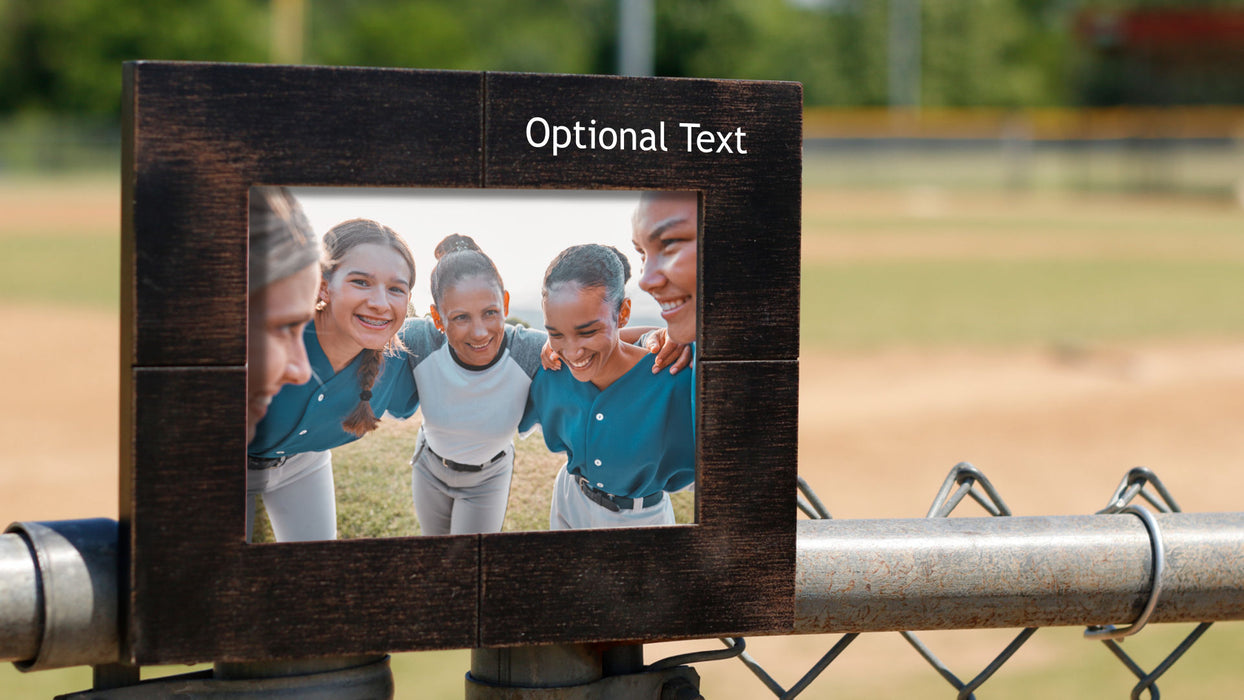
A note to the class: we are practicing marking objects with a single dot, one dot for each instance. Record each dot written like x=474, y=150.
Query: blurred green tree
x=65, y=55
x=836, y=49
x=992, y=53
x=508, y=35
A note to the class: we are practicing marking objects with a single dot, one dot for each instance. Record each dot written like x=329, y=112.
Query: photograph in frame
x=473, y=364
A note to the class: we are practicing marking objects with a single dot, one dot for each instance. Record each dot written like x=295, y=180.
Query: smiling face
x=583, y=331
x=665, y=233
x=472, y=317
x=365, y=300
x=275, y=354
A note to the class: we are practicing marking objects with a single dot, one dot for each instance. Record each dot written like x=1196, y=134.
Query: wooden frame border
x=198, y=136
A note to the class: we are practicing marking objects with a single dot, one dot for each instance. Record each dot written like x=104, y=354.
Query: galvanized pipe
x=58, y=596
x=21, y=600
x=962, y=573
x=73, y=591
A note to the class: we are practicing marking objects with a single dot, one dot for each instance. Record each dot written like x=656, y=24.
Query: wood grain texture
x=203, y=134
x=749, y=243
x=199, y=592
x=731, y=574
x=198, y=136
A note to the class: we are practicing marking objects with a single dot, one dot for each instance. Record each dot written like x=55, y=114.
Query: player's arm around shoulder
x=419, y=338
x=530, y=349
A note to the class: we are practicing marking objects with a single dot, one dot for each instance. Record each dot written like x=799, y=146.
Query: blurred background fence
x=53, y=145
x=1188, y=150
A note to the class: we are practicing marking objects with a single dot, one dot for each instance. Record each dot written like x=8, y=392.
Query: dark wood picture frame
x=198, y=136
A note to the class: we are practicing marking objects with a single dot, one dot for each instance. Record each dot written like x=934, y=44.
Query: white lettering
x=541, y=133
x=543, y=122
x=689, y=126
x=649, y=140
x=622, y=139
x=561, y=142
x=699, y=142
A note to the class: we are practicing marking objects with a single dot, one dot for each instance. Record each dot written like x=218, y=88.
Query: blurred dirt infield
x=90, y=204
x=1054, y=434
x=59, y=367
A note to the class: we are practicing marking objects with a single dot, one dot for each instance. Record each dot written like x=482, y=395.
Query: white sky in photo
x=521, y=230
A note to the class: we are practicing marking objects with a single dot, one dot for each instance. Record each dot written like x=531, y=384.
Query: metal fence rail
x=968, y=573
x=1123, y=565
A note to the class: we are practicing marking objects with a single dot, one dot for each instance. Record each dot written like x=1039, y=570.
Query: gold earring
x=321, y=304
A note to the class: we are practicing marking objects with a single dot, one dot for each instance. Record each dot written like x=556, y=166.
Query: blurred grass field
x=886, y=268
x=872, y=304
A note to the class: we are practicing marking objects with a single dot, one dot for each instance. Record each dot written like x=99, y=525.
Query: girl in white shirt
x=473, y=371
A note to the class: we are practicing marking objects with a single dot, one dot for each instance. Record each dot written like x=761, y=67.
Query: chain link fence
x=1140, y=493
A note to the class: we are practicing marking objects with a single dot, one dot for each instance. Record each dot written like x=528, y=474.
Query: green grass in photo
x=372, y=479
x=372, y=476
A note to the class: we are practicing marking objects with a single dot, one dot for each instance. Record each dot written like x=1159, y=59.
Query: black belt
x=612, y=502
x=253, y=462
x=459, y=466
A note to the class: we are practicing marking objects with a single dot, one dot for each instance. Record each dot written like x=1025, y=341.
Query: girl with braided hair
x=358, y=372
x=627, y=432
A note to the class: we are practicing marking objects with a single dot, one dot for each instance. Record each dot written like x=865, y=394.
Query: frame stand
x=574, y=672
x=341, y=678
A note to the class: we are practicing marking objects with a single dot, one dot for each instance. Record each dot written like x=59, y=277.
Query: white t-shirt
x=470, y=414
